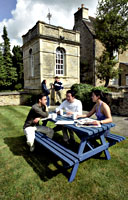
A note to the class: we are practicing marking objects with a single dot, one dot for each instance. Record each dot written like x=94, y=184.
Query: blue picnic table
x=86, y=135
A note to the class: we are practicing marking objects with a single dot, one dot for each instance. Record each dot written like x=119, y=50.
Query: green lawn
x=36, y=176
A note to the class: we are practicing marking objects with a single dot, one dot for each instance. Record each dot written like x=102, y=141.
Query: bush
x=30, y=99
x=83, y=93
x=18, y=86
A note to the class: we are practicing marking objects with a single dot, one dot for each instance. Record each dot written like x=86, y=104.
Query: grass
x=36, y=176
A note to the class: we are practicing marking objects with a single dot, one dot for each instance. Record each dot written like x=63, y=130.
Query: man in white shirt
x=71, y=105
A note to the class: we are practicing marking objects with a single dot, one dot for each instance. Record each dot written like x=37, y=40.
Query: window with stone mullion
x=59, y=62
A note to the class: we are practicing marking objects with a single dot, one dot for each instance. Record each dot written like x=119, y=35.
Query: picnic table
x=86, y=135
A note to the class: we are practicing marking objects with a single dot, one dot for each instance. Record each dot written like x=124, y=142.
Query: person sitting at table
x=71, y=105
x=38, y=111
x=101, y=109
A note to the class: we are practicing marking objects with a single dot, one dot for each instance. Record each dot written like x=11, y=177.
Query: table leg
x=82, y=146
x=73, y=172
x=107, y=154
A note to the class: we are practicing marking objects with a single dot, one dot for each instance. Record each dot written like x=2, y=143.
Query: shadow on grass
x=43, y=162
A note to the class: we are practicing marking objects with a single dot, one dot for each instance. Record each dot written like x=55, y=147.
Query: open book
x=86, y=122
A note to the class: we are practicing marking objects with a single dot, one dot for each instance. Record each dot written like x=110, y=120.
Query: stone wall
x=86, y=53
x=124, y=74
x=26, y=98
x=123, y=57
x=13, y=98
x=118, y=103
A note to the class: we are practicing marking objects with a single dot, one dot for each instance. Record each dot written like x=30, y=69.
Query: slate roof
x=90, y=24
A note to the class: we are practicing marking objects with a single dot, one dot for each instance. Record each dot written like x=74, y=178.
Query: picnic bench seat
x=68, y=157
x=113, y=138
x=71, y=159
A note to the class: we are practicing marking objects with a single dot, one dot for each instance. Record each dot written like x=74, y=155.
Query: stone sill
x=13, y=93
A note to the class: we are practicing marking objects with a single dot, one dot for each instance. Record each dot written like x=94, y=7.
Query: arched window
x=60, y=61
x=31, y=63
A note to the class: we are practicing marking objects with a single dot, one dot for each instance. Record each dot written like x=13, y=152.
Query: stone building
x=70, y=54
x=123, y=77
x=50, y=51
x=91, y=48
x=123, y=65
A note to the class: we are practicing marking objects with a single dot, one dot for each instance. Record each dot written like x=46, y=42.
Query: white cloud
x=28, y=12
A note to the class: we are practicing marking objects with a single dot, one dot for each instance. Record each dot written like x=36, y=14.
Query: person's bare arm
x=36, y=120
x=69, y=113
x=106, y=111
x=88, y=114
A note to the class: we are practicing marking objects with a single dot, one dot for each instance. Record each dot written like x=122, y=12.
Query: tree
x=3, y=74
x=105, y=68
x=111, y=26
x=18, y=64
x=11, y=75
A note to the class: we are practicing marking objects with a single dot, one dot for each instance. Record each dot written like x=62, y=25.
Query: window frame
x=126, y=79
x=31, y=63
x=60, y=62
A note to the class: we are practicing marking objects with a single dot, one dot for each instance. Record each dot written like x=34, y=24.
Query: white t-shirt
x=75, y=106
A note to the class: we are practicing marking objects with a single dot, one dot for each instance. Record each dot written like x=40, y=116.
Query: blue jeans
x=48, y=102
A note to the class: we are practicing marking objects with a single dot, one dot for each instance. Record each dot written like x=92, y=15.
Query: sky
x=21, y=15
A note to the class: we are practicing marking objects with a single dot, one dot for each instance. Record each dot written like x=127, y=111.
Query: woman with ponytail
x=101, y=109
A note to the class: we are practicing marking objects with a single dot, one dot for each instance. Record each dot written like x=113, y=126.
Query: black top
x=36, y=111
x=44, y=89
x=58, y=85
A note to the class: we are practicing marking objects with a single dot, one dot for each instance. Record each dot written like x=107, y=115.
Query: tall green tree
x=3, y=74
x=106, y=68
x=111, y=26
x=18, y=64
x=11, y=74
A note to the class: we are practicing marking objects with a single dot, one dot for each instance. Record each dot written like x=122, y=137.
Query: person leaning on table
x=71, y=105
x=38, y=111
x=101, y=109
x=58, y=86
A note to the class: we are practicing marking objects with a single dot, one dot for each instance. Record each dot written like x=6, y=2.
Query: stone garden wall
x=118, y=101
x=13, y=98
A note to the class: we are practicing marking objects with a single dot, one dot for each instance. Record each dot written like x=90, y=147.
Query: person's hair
x=99, y=93
x=43, y=82
x=71, y=92
x=40, y=96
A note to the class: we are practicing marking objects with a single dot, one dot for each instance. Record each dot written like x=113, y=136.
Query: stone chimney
x=82, y=13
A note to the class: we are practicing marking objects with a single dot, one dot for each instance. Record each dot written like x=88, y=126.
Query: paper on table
x=86, y=122
x=87, y=125
x=64, y=122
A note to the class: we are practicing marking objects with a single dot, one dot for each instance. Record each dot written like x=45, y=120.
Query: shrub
x=83, y=93
x=30, y=99
x=18, y=86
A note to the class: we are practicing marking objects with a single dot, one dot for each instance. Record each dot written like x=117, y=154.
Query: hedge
x=83, y=93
